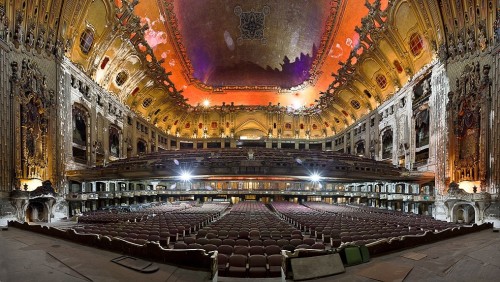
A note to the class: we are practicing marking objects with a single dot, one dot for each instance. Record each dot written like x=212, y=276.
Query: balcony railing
x=81, y=196
x=105, y=195
x=76, y=197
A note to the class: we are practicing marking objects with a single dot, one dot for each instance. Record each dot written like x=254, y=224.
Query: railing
x=395, y=197
x=76, y=197
x=423, y=198
x=370, y=195
x=105, y=195
x=127, y=194
x=81, y=196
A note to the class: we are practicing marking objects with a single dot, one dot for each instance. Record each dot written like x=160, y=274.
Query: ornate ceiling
x=253, y=67
x=252, y=53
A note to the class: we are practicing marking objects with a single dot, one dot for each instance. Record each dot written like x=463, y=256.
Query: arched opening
x=114, y=142
x=86, y=40
x=36, y=212
x=464, y=213
x=422, y=128
x=360, y=148
x=141, y=147
x=387, y=144
x=79, y=135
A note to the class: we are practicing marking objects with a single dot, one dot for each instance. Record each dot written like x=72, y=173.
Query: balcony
x=81, y=196
x=423, y=198
x=127, y=194
x=76, y=197
x=105, y=195
x=395, y=197
x=408, y=198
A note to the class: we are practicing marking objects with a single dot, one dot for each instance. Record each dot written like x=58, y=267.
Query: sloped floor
x=26, y=256
x=473, y=257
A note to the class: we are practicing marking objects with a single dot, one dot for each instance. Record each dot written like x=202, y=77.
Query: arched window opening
x=416, y=44
x=147, y=102
x=381, y=81
x=121, y=78
x=86, y=40
x=355, y=104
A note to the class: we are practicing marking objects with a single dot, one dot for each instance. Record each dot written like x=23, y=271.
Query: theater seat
x=257, y=266
x=275, y=263
x=222, y=264
x=237, y=266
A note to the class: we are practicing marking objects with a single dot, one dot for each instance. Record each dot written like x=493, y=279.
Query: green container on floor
x=365, y=254
x=353, y=256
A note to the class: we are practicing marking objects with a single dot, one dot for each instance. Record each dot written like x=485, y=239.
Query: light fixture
x=296, y=104
x=186, y=176
x=206, y=103
x=315, y=177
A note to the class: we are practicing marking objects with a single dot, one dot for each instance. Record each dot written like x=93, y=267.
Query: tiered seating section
x=339, y=225
x=249, y=240
x=163, y=223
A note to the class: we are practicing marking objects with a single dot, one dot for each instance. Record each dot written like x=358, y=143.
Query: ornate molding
x=33, y=102
x=468, y=117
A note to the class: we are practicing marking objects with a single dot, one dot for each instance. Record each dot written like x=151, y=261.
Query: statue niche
x=387, y=144
x=80, y=128
x=114, y=142
x=422, y=128
x=468, y=110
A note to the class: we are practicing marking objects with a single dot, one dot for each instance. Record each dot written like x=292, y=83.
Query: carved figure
x=482, y=39
x=471, y=42
x=18, y=30
x=460, y=45
x=4, y=24
x=496, y=27
x=374, y=11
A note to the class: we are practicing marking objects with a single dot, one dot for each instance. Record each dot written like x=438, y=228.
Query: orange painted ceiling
x=252, y=52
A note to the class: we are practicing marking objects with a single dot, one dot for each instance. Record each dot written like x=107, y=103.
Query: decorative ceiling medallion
x=252, y=24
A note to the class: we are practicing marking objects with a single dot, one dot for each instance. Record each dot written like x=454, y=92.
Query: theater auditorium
x=278, y=140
